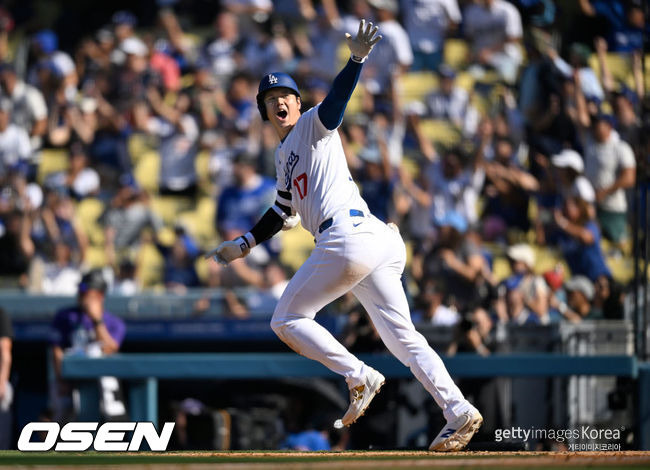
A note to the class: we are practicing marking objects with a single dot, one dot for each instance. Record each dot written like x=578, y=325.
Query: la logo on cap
x=272, y=79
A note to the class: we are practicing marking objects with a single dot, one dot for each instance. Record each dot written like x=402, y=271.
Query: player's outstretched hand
x=361, y=45
x=229, y=251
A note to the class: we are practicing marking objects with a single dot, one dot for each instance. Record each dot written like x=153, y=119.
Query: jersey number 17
x=300, y=182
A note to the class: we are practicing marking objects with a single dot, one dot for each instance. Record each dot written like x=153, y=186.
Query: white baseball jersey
x=310, y=164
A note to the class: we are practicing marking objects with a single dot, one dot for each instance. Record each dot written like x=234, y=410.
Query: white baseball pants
x=365, y=256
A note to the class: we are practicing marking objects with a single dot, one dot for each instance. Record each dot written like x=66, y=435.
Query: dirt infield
x=327, y=460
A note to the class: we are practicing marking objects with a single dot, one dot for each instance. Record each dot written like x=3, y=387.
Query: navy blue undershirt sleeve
x=333, y=106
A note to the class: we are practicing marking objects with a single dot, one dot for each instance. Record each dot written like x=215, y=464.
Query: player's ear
x=299, y=101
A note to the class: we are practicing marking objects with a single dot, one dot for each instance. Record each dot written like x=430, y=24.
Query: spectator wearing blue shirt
x=179, y=270
x=241, y=109
x=310, y=440
x=507, y=189
x=374, y=177
x=626, y=22
x=242, y=204
x=580, y=239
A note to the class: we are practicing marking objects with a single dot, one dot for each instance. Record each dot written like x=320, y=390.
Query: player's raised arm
x=333, y=106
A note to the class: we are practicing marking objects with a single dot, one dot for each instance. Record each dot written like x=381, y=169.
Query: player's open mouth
x=281, y=114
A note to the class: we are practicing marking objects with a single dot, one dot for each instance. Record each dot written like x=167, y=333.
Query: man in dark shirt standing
x=88, y=329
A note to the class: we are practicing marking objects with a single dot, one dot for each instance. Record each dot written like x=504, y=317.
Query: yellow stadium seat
x=440, y=131
x=147, y=171
x=166, y=236
x=465, y=81
x=202, y=167
x=87, y=214
x=456, y=53
x=297, y=244
x=52, y=161
x=500, y=268
x=355, y=105
x=168, y=208
x=149, y=266
x=547, y=259
x=200, y=221
x=95, y=257
x=202, y=267
x=620, y=66
x=622, y=268
x=417, y=85
x=138, y=145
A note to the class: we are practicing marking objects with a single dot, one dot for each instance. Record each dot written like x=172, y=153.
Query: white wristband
x=356, y=58
x=250, y=239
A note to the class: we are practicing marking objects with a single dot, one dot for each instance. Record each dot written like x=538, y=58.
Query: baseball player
x=354, y=250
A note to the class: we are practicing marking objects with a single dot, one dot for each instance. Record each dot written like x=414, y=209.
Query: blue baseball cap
x=270, y=81
x=128, y=180
x=445, y=71
x=608, y=118
x=124, y=17
x=47, y=40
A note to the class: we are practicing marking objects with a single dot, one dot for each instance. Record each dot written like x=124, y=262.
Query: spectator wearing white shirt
x=454, y=185
x=29, y=108
x=391, y=57
x=448, y=102
x=427, y=23
x=325, y=35
x=611, y=167
x=572, y=182
x=221, y=52
x=179, y=143
x=15, y=148
x=79, y=180
x=579, y=58
x=433, y=310
x=494, y=30
x=60, y=275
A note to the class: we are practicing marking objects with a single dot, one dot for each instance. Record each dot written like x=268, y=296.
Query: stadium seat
x=440, y=131
x=620, y=66
x=297, y=244
x=417, y=85
x=202, y=167
x=465, y=81
x=95, y=257
x=138, y=144
x=149, y=266
x=169, y=207
x=52, y=161
x=147, y=171
x=456, y=53
x=87, y=214
x=200, y=221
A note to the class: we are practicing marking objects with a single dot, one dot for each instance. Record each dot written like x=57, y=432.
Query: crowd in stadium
x=499, y=135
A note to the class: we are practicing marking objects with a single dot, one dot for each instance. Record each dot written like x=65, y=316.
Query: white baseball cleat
x=361, y=396
x=457, y=434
